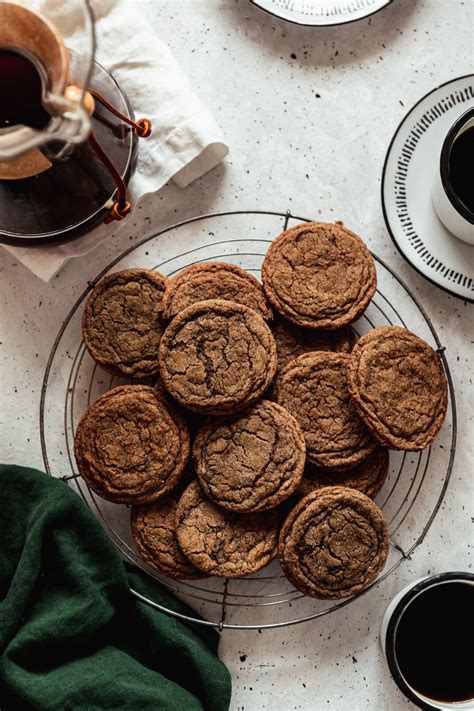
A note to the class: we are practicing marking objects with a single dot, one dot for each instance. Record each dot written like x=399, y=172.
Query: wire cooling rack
x=410, y=497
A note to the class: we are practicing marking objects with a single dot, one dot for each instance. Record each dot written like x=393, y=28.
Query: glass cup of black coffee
x=426, y=636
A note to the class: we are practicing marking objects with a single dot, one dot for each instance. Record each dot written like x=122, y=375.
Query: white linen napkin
x=186, y=141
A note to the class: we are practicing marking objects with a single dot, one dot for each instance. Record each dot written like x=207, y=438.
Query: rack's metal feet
x=407, y=556
x=67, y=478
x=223, y=607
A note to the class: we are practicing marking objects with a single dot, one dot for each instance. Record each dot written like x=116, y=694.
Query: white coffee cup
x=457, y=217
x=388, y=633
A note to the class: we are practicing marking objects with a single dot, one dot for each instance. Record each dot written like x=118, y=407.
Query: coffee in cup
x=453, y=189
x=426, y=636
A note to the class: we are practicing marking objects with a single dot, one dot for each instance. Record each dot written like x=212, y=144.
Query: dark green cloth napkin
x=72, y=636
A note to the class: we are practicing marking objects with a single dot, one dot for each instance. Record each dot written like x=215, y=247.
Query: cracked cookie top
x=292, y=341
x=154, y=533
x=122, y=326
x=130, y=446
x=217, y=357
x=399, y=388
x=334, y=543
x=221, y=542
x=367, y=477
x=250, y=462
x=313, y=387
x=214, y=280
x=319, y=275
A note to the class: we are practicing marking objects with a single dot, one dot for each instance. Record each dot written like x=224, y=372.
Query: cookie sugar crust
x=334, y=543
x=319, y=275
x=217, y=357
x=221, y=542
x=398, y=387
x=130, y=446
x=214, y=280
x=121, y=324
x=252, y=461
x=313, y=387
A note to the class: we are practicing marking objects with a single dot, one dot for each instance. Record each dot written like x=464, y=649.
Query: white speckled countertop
x=308, y=115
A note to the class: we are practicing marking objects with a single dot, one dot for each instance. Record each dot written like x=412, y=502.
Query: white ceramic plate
x=408, y=176
x=321, y=12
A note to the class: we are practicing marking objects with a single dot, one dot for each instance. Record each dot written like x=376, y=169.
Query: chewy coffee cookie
x=367, y=477
x=214, y=280
x=334, y=543
x=153, y=530
x=398, y=387
x=250, y=462
x=292, y=341
x=313, y=387
x=130, y=446
x=221, y=542
x=319, y=275
x=217, y=357
x=122, y=326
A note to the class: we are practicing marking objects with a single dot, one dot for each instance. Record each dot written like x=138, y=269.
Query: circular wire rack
x=410, y=497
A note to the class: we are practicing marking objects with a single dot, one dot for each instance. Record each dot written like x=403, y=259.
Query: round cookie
x=292, y=341
x=398, y=387
x=130, y=446
x=214, y=280
x=313, y=387
x=221, y=542
x=217, y=357
x=334, y=543
x=319, y=275
x=250, y=462
x=153, y=530
x=367, y=477
x=121, y=325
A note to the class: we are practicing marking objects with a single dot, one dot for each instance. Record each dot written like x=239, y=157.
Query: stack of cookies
x=259, y=427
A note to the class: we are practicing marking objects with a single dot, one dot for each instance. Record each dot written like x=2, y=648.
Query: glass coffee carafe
x=67, y=135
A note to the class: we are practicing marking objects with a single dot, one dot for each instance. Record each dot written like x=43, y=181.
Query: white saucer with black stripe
x=408, y=175
x=317, y=13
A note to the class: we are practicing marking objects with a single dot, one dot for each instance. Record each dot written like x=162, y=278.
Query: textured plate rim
x=299, y=23
x=382, y=188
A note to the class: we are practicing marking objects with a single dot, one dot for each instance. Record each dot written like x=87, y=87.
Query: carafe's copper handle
x=142, y=128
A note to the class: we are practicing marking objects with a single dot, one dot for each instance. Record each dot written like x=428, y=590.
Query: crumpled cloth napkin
x=72, y=636
x=186, y=141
